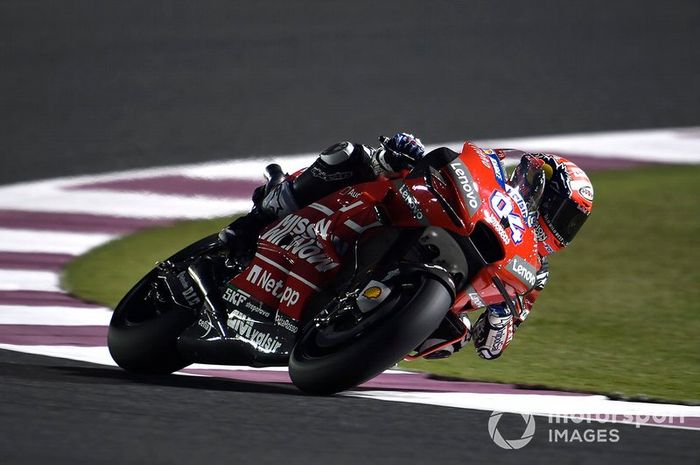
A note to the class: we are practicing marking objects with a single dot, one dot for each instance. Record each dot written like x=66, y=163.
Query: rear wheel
x=143, y=332
x=343, y=347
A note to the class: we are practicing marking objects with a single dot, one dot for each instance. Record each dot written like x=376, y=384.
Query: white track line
x=535, y=404
x=671, y=145
x=98, y=355
x=539, y=404
x=128, y=204
x=26, y=240
x=21, y=280
x=681, y=145
x=54, y=315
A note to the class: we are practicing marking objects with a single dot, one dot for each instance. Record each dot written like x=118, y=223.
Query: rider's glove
x=493, y=331
x=406, y=144
x=396, y=153
x=542, y=275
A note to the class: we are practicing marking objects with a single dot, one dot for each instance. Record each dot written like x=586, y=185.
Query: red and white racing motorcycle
x=346, y=287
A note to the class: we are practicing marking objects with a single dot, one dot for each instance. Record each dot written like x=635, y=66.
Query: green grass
x=106, y=273
x=620, y=314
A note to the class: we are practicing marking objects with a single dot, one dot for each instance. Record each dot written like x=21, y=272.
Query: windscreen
x=529, y=179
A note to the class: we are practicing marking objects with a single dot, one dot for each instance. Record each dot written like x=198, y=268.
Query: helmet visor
x=562, y=215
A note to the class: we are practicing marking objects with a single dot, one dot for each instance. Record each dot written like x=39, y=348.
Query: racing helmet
x=558, y=193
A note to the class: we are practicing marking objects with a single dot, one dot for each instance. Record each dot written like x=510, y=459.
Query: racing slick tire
x=322, y=370
x=142, y=337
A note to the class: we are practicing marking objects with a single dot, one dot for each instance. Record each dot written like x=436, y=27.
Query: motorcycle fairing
x=295, y=256
x=301, y=252
x=506, y=216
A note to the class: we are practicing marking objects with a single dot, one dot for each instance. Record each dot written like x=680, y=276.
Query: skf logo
x=236, y=297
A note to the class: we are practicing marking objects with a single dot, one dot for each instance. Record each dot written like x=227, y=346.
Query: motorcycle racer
x=558, y=197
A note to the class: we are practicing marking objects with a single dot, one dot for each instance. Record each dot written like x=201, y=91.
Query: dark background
x=91, y=86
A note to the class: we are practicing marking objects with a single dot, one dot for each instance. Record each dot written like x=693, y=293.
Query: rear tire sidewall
x=379, y=348
x=150, y=346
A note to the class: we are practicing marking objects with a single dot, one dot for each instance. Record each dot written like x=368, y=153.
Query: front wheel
x=342, y=351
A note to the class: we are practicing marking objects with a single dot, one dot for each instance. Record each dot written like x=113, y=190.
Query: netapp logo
x=265, y=281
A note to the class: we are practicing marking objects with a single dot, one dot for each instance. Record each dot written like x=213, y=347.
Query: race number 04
x=502, y=206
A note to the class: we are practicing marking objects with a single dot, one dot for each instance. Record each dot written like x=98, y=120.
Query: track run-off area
x=45, y=224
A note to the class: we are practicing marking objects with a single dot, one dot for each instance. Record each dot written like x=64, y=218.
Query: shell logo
x=373, y=292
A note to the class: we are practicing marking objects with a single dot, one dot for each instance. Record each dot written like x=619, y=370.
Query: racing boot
x=270, y=201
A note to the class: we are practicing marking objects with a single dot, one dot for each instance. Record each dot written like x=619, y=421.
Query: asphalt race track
x=57, y=411
x=93, y=87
